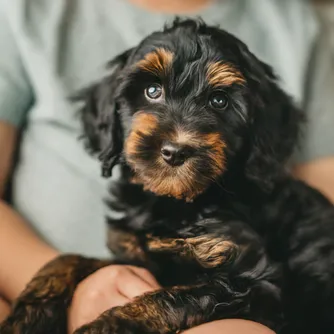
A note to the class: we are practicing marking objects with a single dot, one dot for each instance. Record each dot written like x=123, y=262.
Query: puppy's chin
x=182, y=182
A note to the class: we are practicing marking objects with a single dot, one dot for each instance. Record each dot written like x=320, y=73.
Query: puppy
x=201, y=133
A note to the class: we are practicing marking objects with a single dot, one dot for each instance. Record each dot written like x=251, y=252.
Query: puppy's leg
x=172, y=310
x=309, y=293
x=42, y=306
x=239, y=281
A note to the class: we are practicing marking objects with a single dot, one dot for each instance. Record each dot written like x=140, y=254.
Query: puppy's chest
x=152, y=232
x=130, y=208
x=174, y=256
x=165, y=236
x=173, y=260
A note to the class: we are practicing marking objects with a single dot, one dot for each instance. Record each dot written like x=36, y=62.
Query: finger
x=117, y=299
x=146, y=276
x=131, y=285
x=85, y=308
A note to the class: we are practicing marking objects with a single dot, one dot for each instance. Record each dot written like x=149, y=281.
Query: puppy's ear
x=99, y=116
x=275, y=124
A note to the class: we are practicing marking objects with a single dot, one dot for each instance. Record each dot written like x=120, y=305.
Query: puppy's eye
x=218, y=100
x=153, y=92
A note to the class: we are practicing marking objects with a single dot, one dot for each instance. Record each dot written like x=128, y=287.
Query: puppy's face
x=186, y=106
x=183, y=102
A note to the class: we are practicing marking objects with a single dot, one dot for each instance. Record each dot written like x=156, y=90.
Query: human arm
x=21, y=251
x=318, y=174
x=7, y=145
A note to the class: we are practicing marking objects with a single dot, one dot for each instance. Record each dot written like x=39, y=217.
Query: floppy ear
x=100, y=118
x=275, y=124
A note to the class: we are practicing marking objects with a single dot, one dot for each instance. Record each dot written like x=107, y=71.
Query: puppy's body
x=201, y=132
x=267, y=249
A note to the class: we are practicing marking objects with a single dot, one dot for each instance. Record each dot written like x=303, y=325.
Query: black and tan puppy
x=202, y=133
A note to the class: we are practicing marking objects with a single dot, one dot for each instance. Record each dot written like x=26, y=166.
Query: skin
x=172, y=6
x=319, y=174
x=103, y=290
x=7, y=145
x=27, y=252
x=125, y=283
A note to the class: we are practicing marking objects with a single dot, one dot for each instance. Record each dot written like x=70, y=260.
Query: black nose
x=175, y=154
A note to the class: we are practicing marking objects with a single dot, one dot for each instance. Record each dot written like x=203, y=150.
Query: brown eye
x=153, y=92
x=218, y=100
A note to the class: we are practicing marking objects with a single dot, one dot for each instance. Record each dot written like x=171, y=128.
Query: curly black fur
x=251, y=242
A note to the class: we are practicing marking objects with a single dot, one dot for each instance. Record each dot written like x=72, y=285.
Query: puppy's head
x=184, y=106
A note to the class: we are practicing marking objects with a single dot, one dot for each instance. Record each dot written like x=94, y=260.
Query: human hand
x=108, y=287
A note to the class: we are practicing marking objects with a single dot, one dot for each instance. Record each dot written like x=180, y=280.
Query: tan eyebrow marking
x=156, y=62
x=225, y=74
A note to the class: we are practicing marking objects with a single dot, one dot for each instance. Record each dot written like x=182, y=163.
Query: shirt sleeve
x=15, y=91
x=318, y=137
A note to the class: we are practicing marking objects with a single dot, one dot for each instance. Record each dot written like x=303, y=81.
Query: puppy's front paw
x=7, y=327
x=34, y=319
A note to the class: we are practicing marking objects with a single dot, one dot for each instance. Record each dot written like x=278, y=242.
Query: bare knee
x=230, y=326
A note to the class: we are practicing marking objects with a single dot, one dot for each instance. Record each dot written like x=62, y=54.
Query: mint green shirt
x=51, y=48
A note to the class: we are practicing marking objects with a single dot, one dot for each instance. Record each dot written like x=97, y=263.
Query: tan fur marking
x=156, y=62
x=212, y=252
x=179, y=183
x=212, y=140
x=208, y=251
x=182, y=137
x=224, y=74
x=170, y=186
x=149, y=313
x=143, y=125
x=182, y=182
x=217, y=153
x=194, y=139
